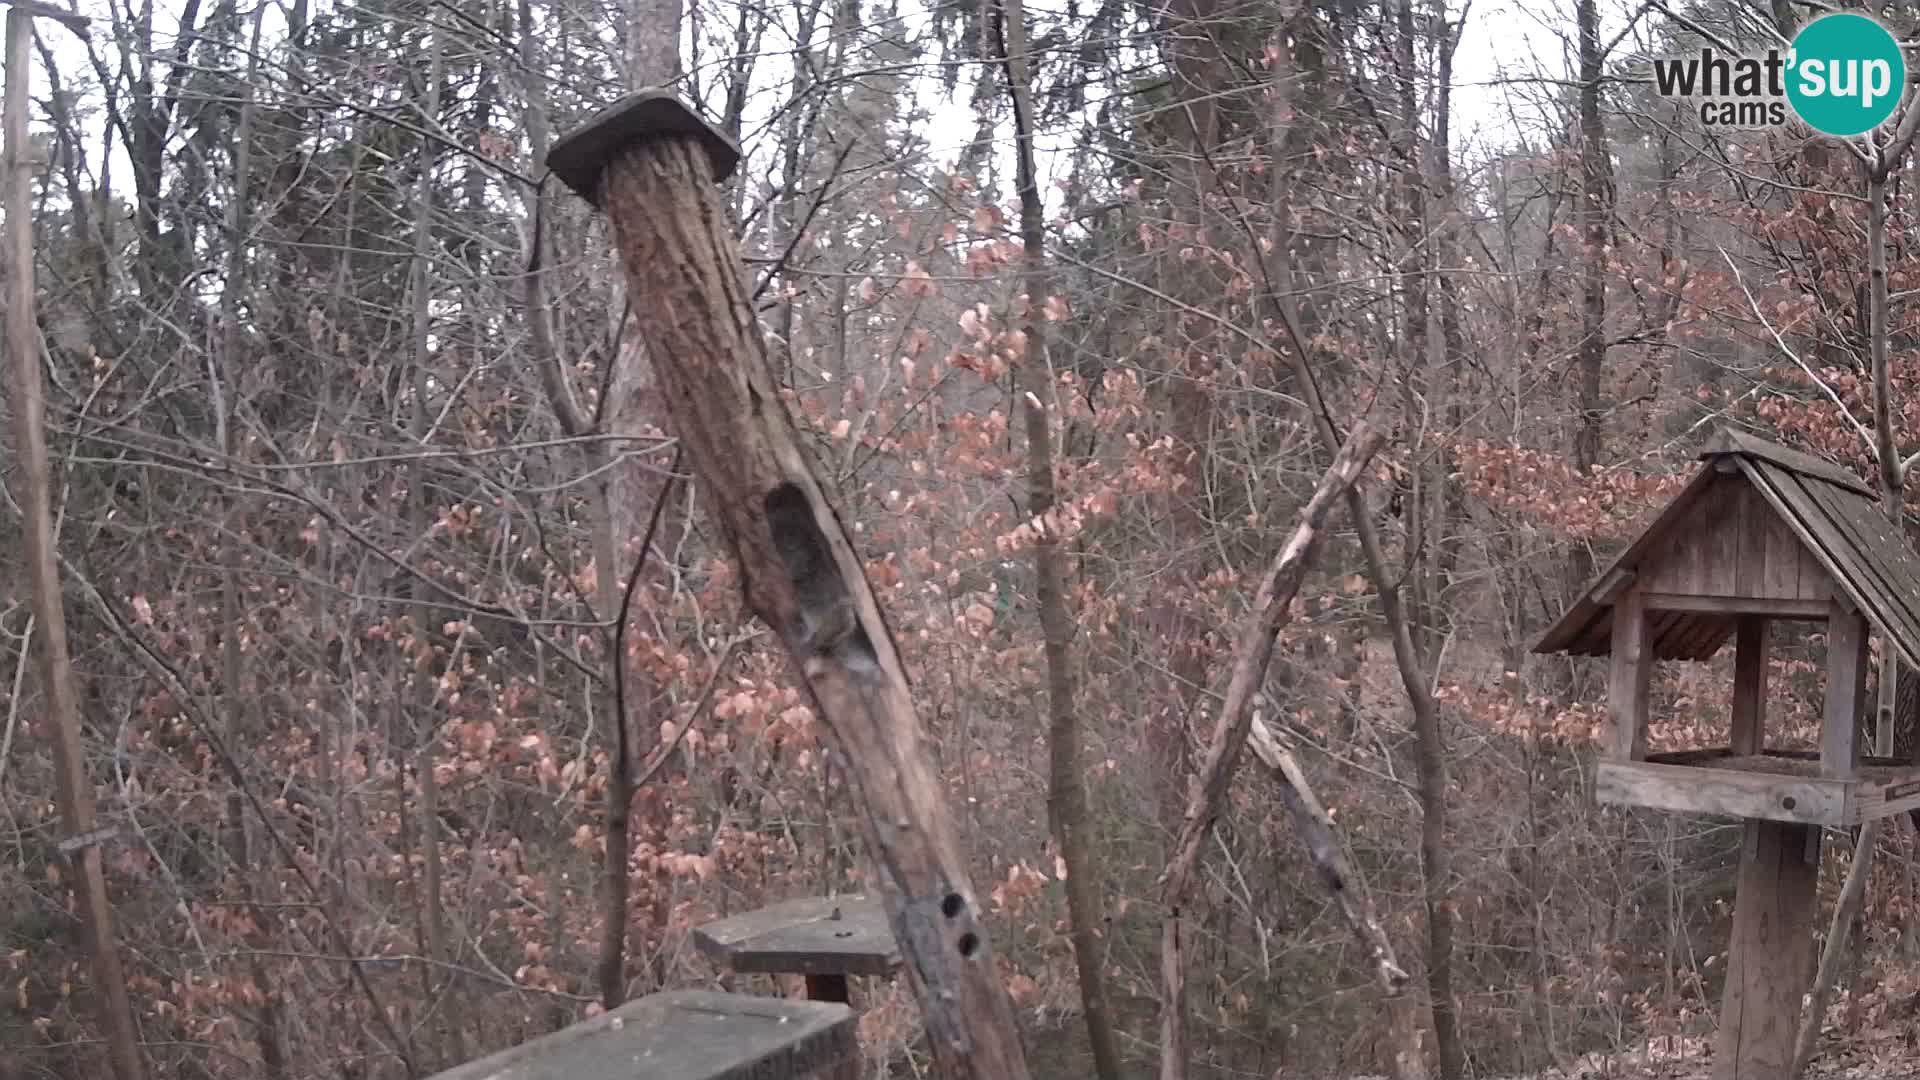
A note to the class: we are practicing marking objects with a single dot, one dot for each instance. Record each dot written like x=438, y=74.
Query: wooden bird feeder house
x=1761, y=534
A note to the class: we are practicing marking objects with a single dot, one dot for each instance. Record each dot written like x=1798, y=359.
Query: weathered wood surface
x=1758, y=522
x=1770, y=959
x=1852, y=540
x=1628, y=678
x=1794, y=609
x=1701, y=789
x=580, y=157
x=1749, y=735
x=1731, y=441
x=1717, y=781
x=1847, y=661
x=846, y=935
x=800, y=574
x=687, y=1035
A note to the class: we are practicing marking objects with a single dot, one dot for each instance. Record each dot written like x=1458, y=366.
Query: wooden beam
x=1770, y=960
x=1699, y=789
x=688, y=1035
x=1749, y=685
x=1609, y=587
x=1737, y=605
x=1628, y=678
x=1846, y=692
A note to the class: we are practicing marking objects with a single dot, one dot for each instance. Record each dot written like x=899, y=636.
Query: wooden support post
x=1629, y=677
x=1770, y=959
x=1846, y=691
x=1750, y=686
x=651, y=163
x=829, y=987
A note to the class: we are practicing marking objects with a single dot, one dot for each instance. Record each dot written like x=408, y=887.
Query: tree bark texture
x=800, y=574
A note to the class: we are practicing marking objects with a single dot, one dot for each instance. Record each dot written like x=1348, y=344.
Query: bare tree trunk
x=1067, y=794
x=1596, y=185
x=417, y=715
x=224, y=364
x=27, y=396
x=1272, y=611
x=800, y=573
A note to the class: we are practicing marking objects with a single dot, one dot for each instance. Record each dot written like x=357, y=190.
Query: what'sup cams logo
x=1844, y=75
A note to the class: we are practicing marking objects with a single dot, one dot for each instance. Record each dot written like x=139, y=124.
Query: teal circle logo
x=1847, y=74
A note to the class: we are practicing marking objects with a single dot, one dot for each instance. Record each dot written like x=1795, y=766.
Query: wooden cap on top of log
x=580, y=156
x=847, y=935
x=685, y=1035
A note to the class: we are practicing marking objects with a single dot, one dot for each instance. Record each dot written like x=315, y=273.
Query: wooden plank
x=1749, y=686
x=1812, y=524
x=1729, y=441
x=1628, y=678
x=1815, y=583
x=1846, y=692
x=1888, y=579
x=1887, y=564
x=1706, y=755
x=686, y=1035
x=847, y=935
x=1575, y=622
x=1770, y=959
x=1785, y=552
x=1610, y=585
x=1886, y=798
x=1720, y=539
x=1737, y=605
x=1753, y=520
x=1695, y=789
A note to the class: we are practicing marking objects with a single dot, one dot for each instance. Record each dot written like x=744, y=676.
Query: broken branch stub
x=650, y=163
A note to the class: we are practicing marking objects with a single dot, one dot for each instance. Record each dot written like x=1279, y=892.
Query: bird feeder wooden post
x=652, y=165
x=1761, y=535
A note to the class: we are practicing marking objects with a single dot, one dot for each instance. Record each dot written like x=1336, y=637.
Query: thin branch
x=1866, y=437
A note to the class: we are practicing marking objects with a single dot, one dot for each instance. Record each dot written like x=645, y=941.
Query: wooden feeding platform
x=823, y=939
x=1761, y=534
x=687, y=1035
x=1774, y=785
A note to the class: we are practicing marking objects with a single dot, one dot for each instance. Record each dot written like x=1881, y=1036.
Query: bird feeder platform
x=826, y=940
x=1761, y=534
x=687, y=1035
x=1773, y=785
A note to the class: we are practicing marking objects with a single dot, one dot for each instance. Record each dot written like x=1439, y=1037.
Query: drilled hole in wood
x=969, y=943
x=1788, y=802
x=953, y=905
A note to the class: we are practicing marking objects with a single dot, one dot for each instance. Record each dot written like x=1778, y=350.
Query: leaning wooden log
x=651, y=164
x=1272, y=611
x=1407, y=1059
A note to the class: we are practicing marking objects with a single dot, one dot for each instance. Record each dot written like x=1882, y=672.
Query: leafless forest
x=356, y=460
